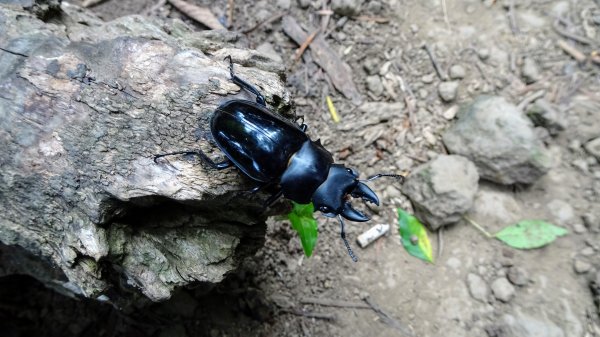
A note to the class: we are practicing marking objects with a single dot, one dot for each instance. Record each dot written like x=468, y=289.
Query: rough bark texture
x=84, y=105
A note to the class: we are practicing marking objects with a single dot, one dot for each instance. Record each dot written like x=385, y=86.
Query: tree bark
x=84, y=106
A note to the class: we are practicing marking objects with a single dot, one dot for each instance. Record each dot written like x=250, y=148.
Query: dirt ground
x=489, y=40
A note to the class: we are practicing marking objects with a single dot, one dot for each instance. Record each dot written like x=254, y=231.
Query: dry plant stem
x=476, y=225
x=513, y=18
x=309, y=314
x=530, y=99
x=572, y=51
x=574, y=37
x=230, y=6
x=387, y=319
x=436, y=66
x=334, y=303
x=200, y=14
x=305, y=45
x=266, y=22
x=445, y=10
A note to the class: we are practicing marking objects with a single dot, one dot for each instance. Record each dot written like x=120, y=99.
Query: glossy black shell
x=258, y=142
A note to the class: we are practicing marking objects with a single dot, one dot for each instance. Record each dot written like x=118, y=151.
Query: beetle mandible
x=273, y=151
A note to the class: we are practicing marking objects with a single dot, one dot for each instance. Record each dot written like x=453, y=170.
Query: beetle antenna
x=380, y=175
x=343, y=234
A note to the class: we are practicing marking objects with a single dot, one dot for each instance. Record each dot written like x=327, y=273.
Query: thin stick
x=530, y=99
x=572, y=51
x=436, y=66
x=512, y=17
x=334, y=303
x=305, y=45
x=389, y=320
x=317, y=315
x=476, y=225
x=574, y=37
x=445, y=11
x=13, y=52
x=266, y=22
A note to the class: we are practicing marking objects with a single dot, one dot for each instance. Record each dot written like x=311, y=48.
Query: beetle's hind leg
x=260, y=99
x=206, y=159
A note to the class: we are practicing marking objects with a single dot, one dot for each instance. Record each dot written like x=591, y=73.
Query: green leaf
x=529, y=234
x=305, y=224
x=414, y=236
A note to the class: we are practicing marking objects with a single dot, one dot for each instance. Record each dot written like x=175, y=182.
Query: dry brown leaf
x=201, y=14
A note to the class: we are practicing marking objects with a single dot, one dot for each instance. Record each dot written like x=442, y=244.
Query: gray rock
x=284, y=4
x=590, y=220
x=346, y=7
x=502, y=289
x=593, y=147
x=494, y=206
x=543, y=113
x=457, y=72
x=522, y=325
x=530, y=71
x=500, y=140
x=442, y=189
x=579, y=228
x=374, y=85
x=518, y=276
x=477, y=287
x=448, y=90
x=267, y=49
x=581, y=266
x=483, y=54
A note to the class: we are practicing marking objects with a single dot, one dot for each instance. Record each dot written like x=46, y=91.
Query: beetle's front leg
x=260, y=99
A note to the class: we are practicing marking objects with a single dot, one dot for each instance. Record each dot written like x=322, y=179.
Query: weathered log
x=84, y=106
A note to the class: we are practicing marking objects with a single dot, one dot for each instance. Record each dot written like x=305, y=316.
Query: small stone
x=579, y=228
x=451, y=112
x=427, y=79
x=591, y=222
x=588, y=251
x=518, y=276
x=593, y=147
x=284, y=4
x=448, y=90
x=457, y=72
x=268, y=50
x=483, y=53
x=530, y=71
x=346, y=7
x=374, y=85
x=477, y=287
x=581, y=267
x=502, y=289
x=371, y=65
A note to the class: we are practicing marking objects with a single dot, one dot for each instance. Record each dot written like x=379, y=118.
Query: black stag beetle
x=276, y=152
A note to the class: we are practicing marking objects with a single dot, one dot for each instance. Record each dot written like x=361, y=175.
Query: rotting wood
x=83, y=114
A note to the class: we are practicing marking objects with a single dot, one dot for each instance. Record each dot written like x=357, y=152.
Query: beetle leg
x=269, y=202
x=380, y=175
x=217, y=166
x=260, y=99
x=343, y=235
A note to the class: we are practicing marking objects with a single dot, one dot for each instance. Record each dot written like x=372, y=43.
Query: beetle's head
x=333, y=195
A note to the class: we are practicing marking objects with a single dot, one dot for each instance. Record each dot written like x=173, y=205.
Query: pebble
x=502, y=289
x=530, y=71
x=591, y=222
x=457, y=72
x=593, y=147
x=477, y=287
x=284, y=4
x=427, y=79
x=579, y=228
x=518, y=276
x=346, y=7
x=483, y=54
x=268, y=50
x=451, y=112
x=588, y=251
x=374, y=85
x=581, y=267
x=448, y=90
x=371, y=65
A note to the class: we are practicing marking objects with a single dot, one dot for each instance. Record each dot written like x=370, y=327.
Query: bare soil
x=265, y=298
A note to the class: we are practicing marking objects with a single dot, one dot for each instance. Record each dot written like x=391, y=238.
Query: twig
x=230, y=5
x=376, y=19
x=13, y=52
x=513, y=18
x=530, y=99
x=572, y=51
x=574, y=37
x=305, y=45
x=440, y=237
x=389, y=320
x=476, y=225
x=310, y=314
x=445, y=11
x=91, y=3
x=201, y=14
x=266, y=22
x=334, y=303
x=436, y=66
